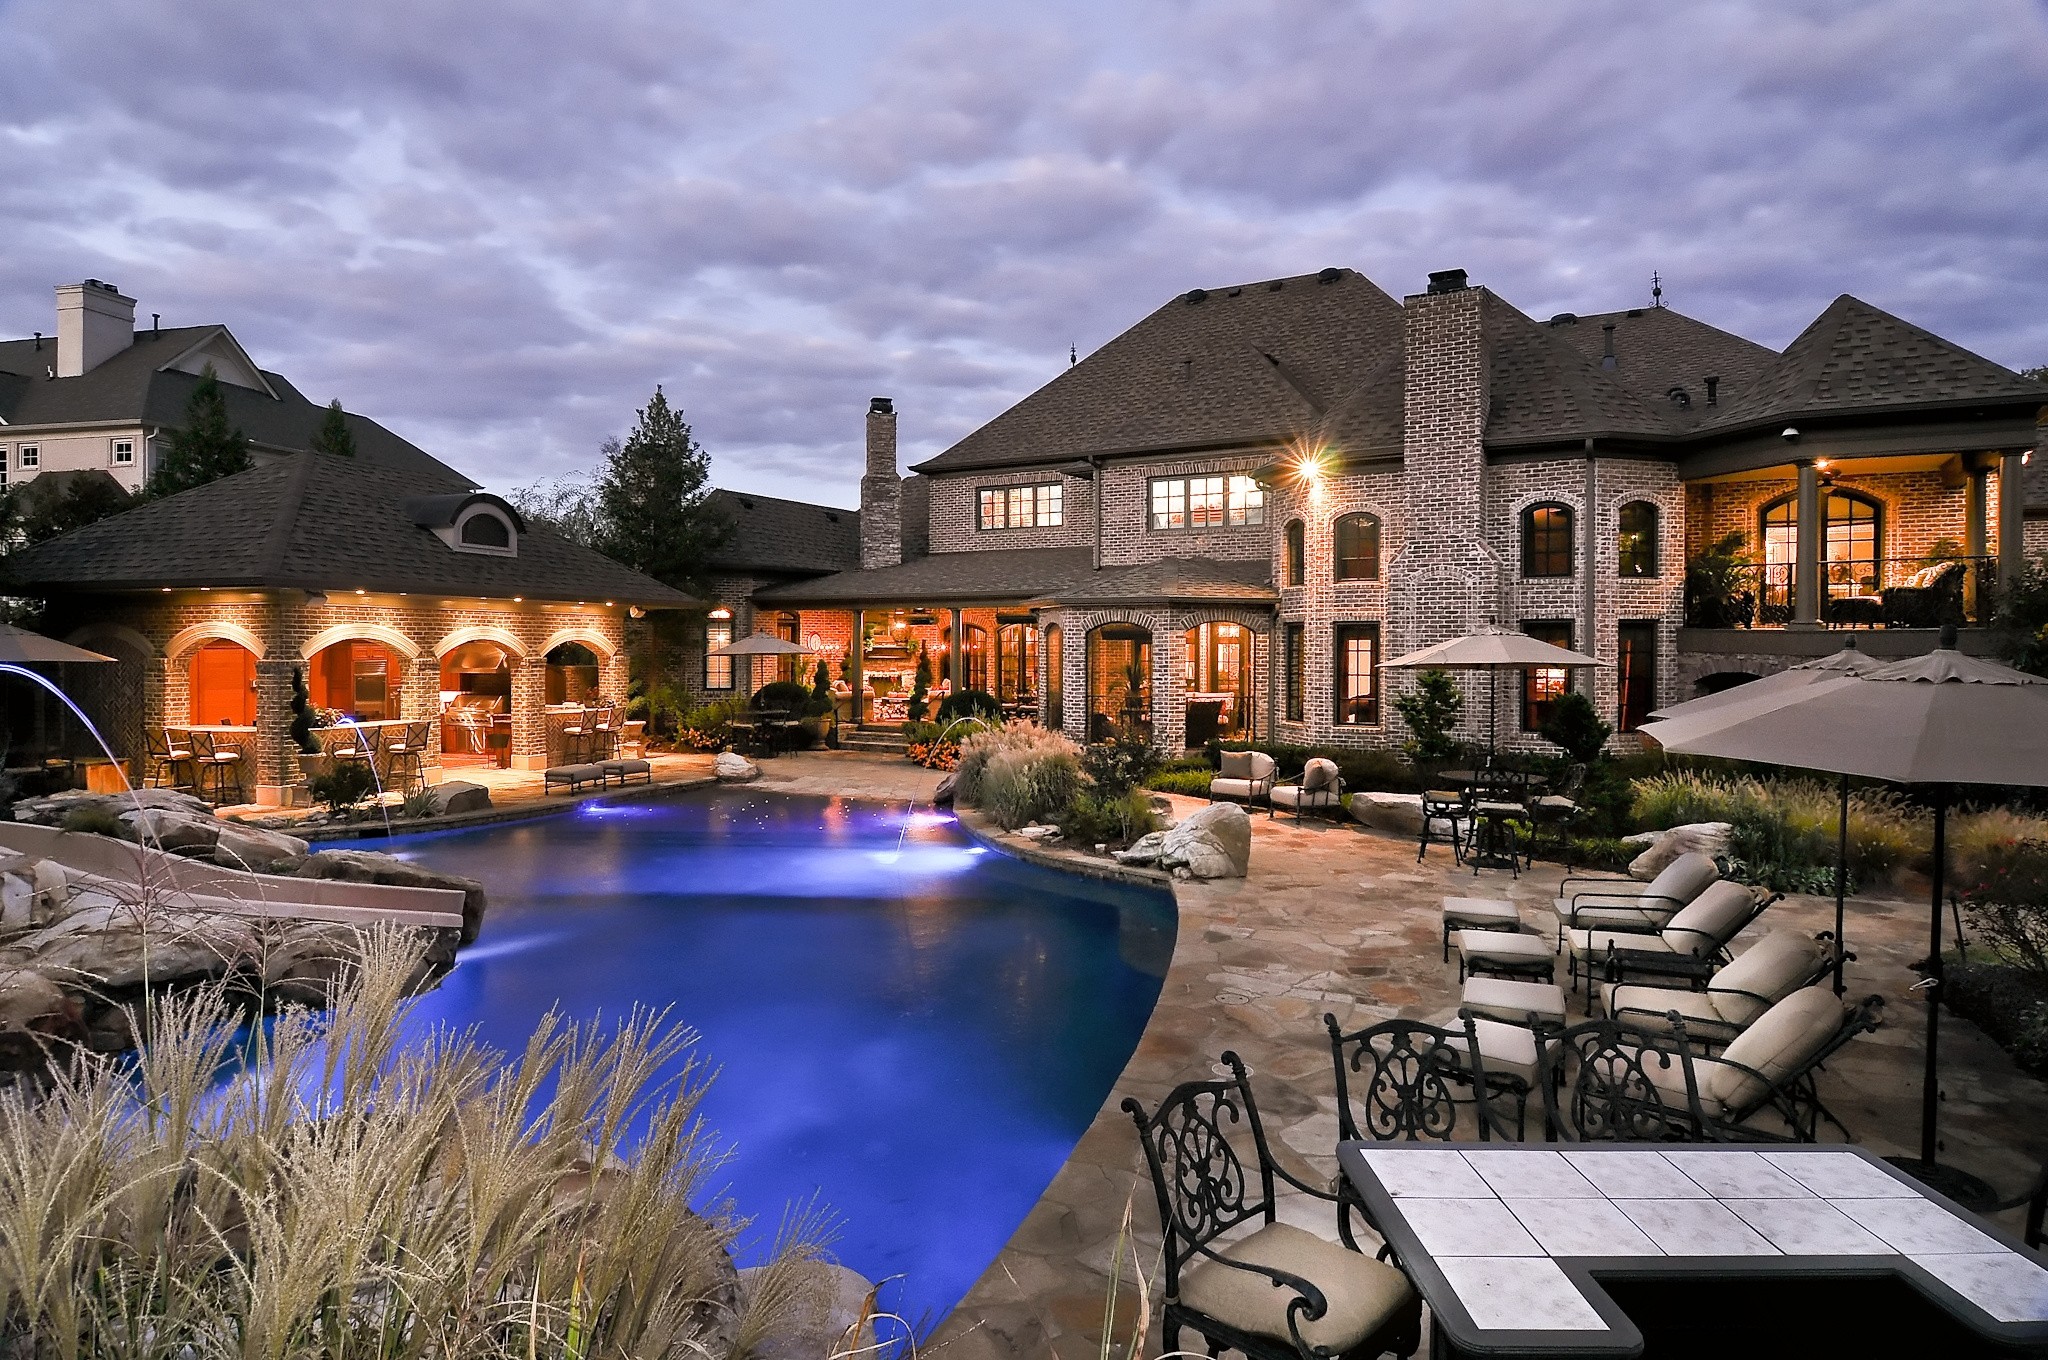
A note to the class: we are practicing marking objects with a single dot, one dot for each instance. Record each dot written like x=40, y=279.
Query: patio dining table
x=1658, y=1249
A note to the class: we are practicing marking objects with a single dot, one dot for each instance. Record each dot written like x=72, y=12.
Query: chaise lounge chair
x=1766, y=973
x=1599, y=903
x=1689, y=945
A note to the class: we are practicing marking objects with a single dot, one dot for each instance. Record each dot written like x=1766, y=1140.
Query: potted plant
x=817, y=715
x=1716, y=586
x=312, y=761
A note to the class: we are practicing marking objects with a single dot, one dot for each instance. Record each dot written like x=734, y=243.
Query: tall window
x=1547, y=540
x=1357, y=548
x=1297, y=672
x=1543, y=686
x=1357, y=649
x=1205, y=502
x=1850, y=542
x=1636, y=671
x=717, y=669
x=1638, y=540
x=1041, y=506
x=1295, y=554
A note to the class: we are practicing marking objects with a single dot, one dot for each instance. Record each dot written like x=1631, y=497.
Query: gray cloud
x=497, y=224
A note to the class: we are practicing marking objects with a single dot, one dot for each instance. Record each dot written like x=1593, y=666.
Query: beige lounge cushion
x=1769, y=969
x=1481, y=911
x=1233, y=788
x=1594, y=943
x=1686, y=877
x=1319, y=773
x=1513, y=1001
x=1501, y=944
x=1711, y=919
x=1782, y=1040
x=1648, y=1006
x=1362, y=1293
x=1290, y=796
x=1506, y=1050
x=1618, y=918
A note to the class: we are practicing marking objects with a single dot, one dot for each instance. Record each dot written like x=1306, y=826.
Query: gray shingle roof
x=1657, y=349
x=999, y=574
x=1856, y=357
x=1172, y=580
x=332, y=524
x=128, y=387
x=775, y=535
x=1243, y=365
x=1541, y=389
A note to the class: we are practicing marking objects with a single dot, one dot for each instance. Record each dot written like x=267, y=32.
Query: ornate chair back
x=1204, y=1184
x=1605, y=1081
x=1401, y=1081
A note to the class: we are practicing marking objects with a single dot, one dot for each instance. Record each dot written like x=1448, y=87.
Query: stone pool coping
x=373, y=828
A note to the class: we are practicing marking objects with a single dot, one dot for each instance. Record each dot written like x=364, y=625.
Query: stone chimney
x=94, y=323
x=881, y=491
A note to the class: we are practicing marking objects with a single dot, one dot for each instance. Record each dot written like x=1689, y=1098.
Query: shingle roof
x=311, y=522
x=1657, y=349
x=998, y=574
x=770, y=534
x=1541, y=389
x=1242, y=365
x=1856, y=357
x=1188, y=580
x=129, y=387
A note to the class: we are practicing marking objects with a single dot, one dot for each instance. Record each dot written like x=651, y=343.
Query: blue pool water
x=908, y=1026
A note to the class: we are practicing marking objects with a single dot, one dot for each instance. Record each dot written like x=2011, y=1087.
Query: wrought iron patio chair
x=1448, y=808
x=404, y=757
x=167, y=760
x=1606, y=1081
x=1278, y=1293
x=215, y=764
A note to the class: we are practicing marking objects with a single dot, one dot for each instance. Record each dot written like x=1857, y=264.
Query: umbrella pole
x=1493, y=717
x=1930, y=1091
x=1841, y=884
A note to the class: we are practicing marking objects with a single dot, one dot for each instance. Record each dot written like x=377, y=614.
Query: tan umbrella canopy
x=761, y=644
x=1493, y=650
x=20, y=646
x=1941, y=719
x=1848, y=661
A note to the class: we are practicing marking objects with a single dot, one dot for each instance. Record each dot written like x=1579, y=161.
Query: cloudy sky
x=496, y=224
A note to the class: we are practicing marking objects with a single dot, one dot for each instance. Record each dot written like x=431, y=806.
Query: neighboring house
x=396, y=589
x=1225, y=520
x=772, y=542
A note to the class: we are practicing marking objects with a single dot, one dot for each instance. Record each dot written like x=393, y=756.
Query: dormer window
x=485, y=529
x=471, y=522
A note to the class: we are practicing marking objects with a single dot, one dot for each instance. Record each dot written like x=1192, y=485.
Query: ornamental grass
x=1018, y=773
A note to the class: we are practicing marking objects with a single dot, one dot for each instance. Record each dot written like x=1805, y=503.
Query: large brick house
x=395, y=588
x=1226, y=519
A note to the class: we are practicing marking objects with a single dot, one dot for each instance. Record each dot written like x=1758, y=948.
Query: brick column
x=1976, y=501
x=274, y=763
x=529, y=723
x=956, y=654
x=1806, y=569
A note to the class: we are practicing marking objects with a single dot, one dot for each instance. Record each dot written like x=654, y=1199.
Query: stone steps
x=871, y=737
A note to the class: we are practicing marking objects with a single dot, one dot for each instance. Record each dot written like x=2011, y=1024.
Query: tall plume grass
x=1785, y=831
x=1018, y=773
x=351, y=1193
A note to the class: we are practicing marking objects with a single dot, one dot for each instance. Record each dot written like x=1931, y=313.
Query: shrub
x=2007, y=899
x=708, y=727
x=970, y=703
x=93, y=818
x=1120, y=764
x=344, y=784
x=1369, y=769
x=1093, y=817
x=1600, y=852
x=419, y=803
x=783, y=694
x=1194, y=783
x=1976, y=836
x=301, y=728
x=443, y=1199
x=1431, y=710
x=1574, y=727
x=1028, y=778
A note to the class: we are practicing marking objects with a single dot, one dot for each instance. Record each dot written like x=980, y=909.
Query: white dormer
x=231, y=363
x=471, y=522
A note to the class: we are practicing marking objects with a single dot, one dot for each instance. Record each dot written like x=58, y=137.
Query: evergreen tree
x=333, y=437
x=650, y=499
x=1432, y=710
x=208, y=447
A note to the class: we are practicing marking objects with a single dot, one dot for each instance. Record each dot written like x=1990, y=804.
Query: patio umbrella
x=1941, y=719
x=21, y=647
x=761, y=644
x=1493, y=650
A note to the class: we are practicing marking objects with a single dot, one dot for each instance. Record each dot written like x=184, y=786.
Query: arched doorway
x=221, y=685
x=476, y=704
x=1119, y=682
x=974, y=663
x=1217, y=674
x=571, y=674
x=356, y=678
x=1017, y=665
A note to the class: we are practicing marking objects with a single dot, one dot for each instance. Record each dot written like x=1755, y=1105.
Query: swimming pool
x=909, y=1026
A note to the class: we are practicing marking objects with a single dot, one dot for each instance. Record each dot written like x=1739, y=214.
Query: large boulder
x=942, y=796
x=251, y=847
x=52, y=810
x=122, y=946
x=28, y=1000
x=827, y=1311
x=1398, y=814
x=172, y=830
x=457, y=797
x=1709, y=838
x=734, y=768
x=1145, y=850
x=367, y=866
x=1215, y=842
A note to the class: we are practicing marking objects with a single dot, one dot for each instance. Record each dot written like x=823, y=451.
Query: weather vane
x=1656, y=290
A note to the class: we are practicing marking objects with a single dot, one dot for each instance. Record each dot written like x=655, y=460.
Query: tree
x=567, y=506
x=651, y=493
x=333, y=437
x=2039, y=374
x=56, y=504
x=920, y=686
x=1431, y=710
x=1575, y=726
x=2021, y=625
x=208, y=447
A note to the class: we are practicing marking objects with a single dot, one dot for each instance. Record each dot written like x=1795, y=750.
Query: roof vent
x=1680, y=398
x=881, y=406
x=1235, y=292
x=1565, y=319
x=1714, y=390
x=1447, y=281
x=1330, y=275
x=746, y=502
x=832, y=515
x=1276, y=285
x=1195, y=295
x=1635, y=311
x=1607, y=359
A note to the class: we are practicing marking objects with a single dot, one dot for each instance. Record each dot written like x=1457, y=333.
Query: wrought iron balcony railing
x=1893, y=592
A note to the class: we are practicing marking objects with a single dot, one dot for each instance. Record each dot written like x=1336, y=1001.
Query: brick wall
x=1917, y=508
x=881, y=492
x=1169, y=628
x=1321, y=602
x=1128, y=537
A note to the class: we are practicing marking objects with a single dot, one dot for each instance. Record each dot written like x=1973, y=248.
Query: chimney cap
x=1447, y=281
x=881, y=406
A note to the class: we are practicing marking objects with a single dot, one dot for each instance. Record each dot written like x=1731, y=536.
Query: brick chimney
x=94, y=323
x=1444, y=398
x=881, y=491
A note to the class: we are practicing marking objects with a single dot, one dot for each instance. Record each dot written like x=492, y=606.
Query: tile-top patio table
x=1523, y=1251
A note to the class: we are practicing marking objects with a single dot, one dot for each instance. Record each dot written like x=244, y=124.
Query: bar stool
x=404, y=757
x=216, y=763
x=169, y=759
x=576, y=738
x=1446, y=807
x=603, y=725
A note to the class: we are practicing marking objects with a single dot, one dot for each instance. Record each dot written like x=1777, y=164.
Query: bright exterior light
x=721, y=613
x=1821, y=464
x=519, y=599
x=362, y=592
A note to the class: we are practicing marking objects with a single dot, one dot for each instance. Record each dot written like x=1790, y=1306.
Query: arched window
x=1851, y=543
x=1547, y=540
x=570, y=676
x=1356, y=548
x=486, y=530
x=1638, y=540
x=1295, y=554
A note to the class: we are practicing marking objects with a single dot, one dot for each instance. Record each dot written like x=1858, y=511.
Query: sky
x=497, y=225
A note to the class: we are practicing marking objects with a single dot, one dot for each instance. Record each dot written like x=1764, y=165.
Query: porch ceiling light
x=721, y=613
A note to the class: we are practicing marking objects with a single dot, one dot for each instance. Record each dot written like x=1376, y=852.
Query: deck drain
x=1233, y=999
